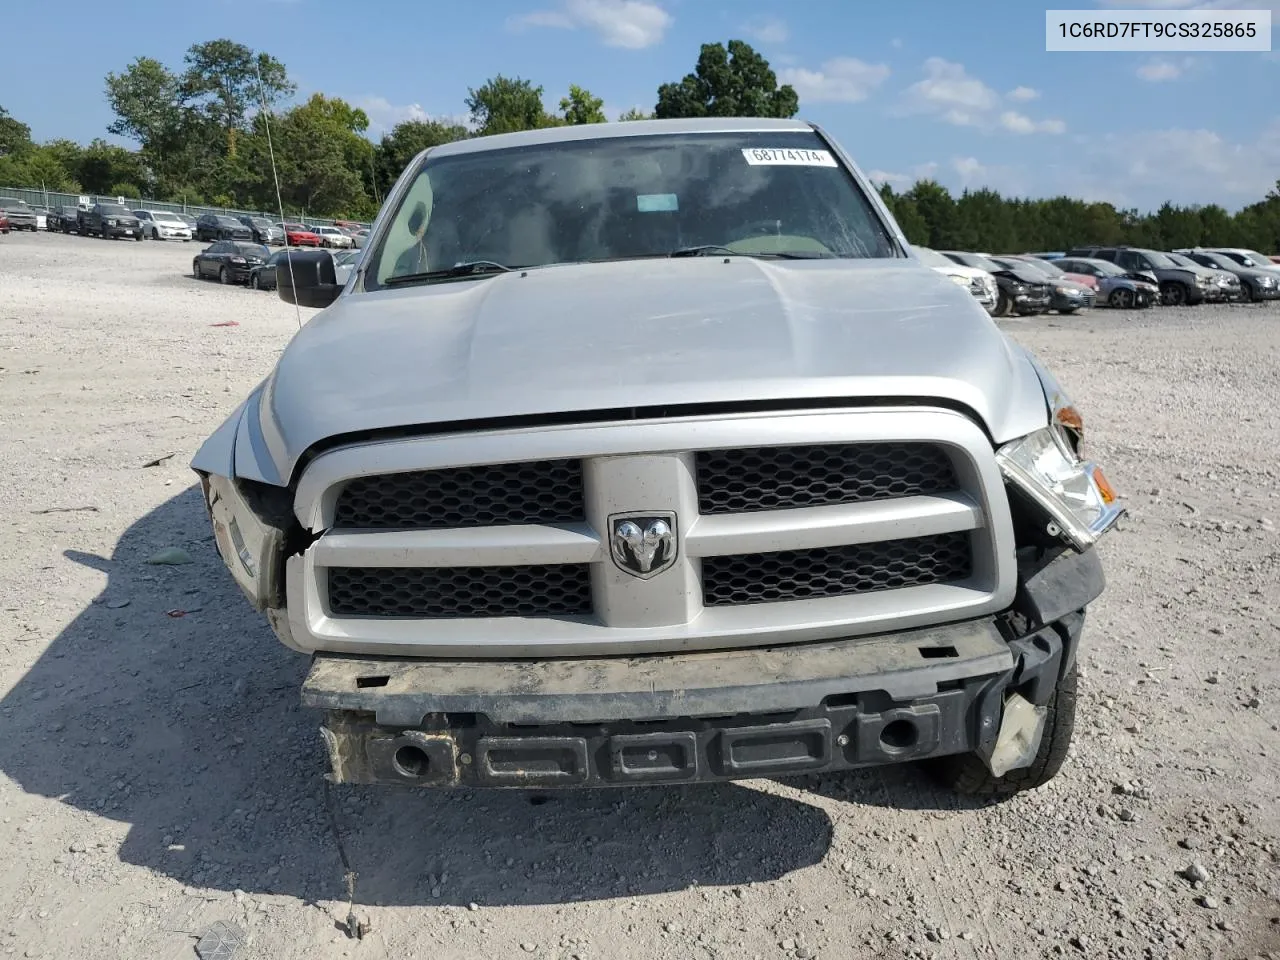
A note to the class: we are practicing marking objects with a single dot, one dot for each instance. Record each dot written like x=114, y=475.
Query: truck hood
x=640, y=333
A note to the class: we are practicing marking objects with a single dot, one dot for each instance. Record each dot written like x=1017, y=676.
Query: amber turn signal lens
x=1104, y=488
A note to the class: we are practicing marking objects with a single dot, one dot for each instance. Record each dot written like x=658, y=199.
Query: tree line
x=202, y=138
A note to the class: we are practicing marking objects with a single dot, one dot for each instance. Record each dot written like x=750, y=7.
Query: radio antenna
x=275, y=176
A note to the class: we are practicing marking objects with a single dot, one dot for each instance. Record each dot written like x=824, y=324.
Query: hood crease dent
x=641, y=333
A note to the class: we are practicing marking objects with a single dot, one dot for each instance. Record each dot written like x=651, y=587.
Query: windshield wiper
x=711, y=249
x=468, y=268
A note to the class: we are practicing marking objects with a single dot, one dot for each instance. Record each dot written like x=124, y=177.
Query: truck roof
x=628, y=128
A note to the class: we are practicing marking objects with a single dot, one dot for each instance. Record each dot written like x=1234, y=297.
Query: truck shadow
x=167, y=705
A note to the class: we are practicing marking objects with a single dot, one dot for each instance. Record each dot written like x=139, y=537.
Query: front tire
x=253, y=282
x=1174, y=294
x=1004, y=306
x=224, y=276
x=195, y=269
x=966, y=773
x=1122, y=299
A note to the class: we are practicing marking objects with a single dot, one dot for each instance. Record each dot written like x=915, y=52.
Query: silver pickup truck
x=648, y=453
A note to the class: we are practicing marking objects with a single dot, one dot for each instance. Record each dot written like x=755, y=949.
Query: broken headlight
x=1079, y=500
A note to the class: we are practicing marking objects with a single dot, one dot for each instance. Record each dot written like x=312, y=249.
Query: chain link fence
x=53, y=199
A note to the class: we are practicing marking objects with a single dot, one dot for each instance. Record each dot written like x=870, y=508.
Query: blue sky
x=962, y=92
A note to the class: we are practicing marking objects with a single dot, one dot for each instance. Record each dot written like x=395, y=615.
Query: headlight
x=957, y=279
x=1266, y=281
x=1019, y=288
x=1064, y=291
x=110, y=222
x=1072, y=491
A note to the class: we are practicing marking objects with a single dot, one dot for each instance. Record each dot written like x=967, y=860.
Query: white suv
x=162, y=225
x=331, y=237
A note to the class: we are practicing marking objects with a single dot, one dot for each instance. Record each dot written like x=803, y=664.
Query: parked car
x=1043, y=256
x=162, y=225
x=215, y=226
x=1084, y=279
x=109, y=221
x=231, y=261
x=349, y=227
x=331, y=237
x=1021, y=289
x=1227, y=282
x=978, y=282
x=1116, y=287
x=191, y=222
x=299, y=235
x=18, y=213
x=42, y=217
x=263, y=275
x=808, y=453
x=1065, y=296
x=1257, y=283
x=1249, y=258
x=263, y=230
x=344, y=264
x=1179, y=286
x=65, y=219
x=360, y=239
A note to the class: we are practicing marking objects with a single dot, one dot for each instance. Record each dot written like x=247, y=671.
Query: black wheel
x=195, y=269
x=1004, y=306
x=1174, y=294
x=138, y=238
x=966, y=773
x=253, y=282
x=1122, y=299
x=224, y=276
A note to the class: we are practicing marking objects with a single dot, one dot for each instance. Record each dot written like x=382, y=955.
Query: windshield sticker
x=657, y=203
x=787, y=157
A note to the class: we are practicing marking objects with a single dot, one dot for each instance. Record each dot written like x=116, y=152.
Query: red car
x=299, y=236
x=4, y=223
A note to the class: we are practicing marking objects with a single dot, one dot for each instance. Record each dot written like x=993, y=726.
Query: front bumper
x=1264, y=293
x=1029, y=303
x=121, y=231
x=172, y=233
x=725, y=715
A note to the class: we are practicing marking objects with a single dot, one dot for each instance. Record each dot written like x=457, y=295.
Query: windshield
x=975, y=260
x=112, y=208
x=1044, y=266
x=165, y=215
x=1157, y=258
x=251, y=250
x=932, y=258
x=1182, y=261
x=1107, y=267
x=1259, y=259
x=629, y=197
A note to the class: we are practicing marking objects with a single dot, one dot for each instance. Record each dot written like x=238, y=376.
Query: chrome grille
x=791, y=526
x=544, y=491
x=835, y=571
x=782, y=478
x=525, y=591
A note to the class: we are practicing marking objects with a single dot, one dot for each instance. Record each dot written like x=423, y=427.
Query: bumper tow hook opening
x=412, y=762
x=899, y=735
x=1018, y=741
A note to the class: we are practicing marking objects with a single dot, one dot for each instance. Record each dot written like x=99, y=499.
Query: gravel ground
x=157, y=775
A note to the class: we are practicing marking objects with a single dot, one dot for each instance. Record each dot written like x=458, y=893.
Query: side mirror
x=307, y=278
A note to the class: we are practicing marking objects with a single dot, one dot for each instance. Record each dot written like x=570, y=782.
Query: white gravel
x=156, y=773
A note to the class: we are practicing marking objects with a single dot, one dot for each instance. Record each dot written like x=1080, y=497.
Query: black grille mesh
x=529, y=591
x=544, y=491
x=782, y=478
x=835, y=571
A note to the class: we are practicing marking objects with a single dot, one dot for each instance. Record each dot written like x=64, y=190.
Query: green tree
x=936, y=207
x=406, y=140
x=104, y=167
x=581, y=107
x=15, y=136
x=505, y=105
x=635, y=113
x=732, y=82
x=145, y=99
x=221, y=82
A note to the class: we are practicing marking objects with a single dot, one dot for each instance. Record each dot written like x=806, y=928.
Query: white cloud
x=766, y=30
x=1159, y=70
x=843, y=79
x=949, y=93
x=921, y=171
x=896, y=43
x=629, y=24
x=1016, y=122
x=383, y=114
